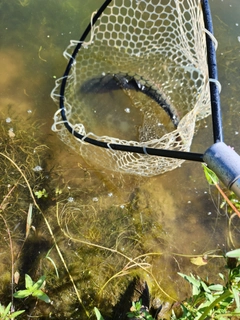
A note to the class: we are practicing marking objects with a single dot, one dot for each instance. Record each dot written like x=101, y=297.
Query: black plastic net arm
x=213, y=75
x=222, y=159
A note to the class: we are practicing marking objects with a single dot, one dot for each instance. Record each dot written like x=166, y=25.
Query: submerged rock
x=138, y=292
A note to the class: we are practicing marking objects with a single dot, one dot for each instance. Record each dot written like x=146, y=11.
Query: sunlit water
x=167, y=215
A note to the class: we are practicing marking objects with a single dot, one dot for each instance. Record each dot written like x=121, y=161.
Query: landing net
x=136, y=81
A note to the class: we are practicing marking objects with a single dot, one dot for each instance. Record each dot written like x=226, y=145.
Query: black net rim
x=214, y=93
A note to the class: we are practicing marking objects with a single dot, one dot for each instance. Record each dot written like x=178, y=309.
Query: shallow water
x=169, y=215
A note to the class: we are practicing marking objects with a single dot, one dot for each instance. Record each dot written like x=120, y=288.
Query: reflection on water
x=107, y=219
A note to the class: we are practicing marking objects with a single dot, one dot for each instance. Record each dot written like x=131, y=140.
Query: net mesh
x=160, y=45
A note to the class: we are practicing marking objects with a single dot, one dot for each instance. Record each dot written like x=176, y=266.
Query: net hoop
x=124, y=146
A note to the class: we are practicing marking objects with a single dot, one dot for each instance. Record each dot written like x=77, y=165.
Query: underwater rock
x=138, y=291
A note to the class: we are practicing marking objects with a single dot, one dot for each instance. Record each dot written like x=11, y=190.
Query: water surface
x=170, y=215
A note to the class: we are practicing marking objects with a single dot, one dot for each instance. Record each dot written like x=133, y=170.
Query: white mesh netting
x=160, y=44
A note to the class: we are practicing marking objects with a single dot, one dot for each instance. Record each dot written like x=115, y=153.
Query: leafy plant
x=6, y=314
x=212, y=179
x=213, y=300
x=34, y=289
x=98, y=314
x=53, y=263
x=41, y=194
x=234, y=200
x=138, y=311
x=234, y=254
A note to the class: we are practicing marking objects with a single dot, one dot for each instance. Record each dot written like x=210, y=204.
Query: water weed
x=138, y=311
x=41, y=193
x=217, y=301
x=7, y=314
x=34, y=289
x=207, y=300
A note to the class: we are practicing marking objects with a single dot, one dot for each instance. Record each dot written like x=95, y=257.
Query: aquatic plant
x=212, y=179
x=130, y=264
x=218, y=301
x=98, y=314
x=41, y=193
x=7, y=314
x=48, y=226
x=18, y=158
x=208, y=300
x=34, y=289
x=138, y=311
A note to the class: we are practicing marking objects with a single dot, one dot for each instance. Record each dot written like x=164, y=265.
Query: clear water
x=168, y=215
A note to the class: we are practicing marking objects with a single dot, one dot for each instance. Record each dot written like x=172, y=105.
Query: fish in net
x=137, y=81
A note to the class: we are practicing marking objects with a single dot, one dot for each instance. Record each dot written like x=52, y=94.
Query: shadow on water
x=109, y=227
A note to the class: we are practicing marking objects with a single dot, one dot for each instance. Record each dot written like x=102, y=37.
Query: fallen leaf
x=11, y=133
x=16, y=277
x=199, y=261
